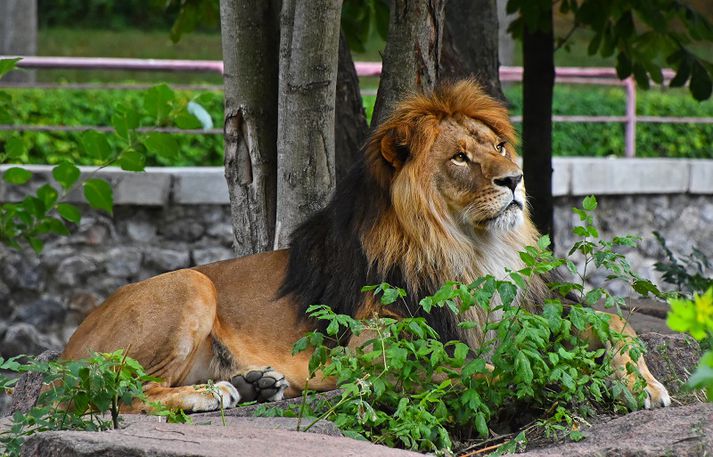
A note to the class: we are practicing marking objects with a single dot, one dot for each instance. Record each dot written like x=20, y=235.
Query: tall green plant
x=46, y=211
x=82, y=394
x=403, y=386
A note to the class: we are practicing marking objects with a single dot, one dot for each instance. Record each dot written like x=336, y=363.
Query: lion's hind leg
x=657, y=394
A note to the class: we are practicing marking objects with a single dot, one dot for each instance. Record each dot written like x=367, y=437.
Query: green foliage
x=604, y=139
x=362, y=19
x=695, y=317
x=31, y=219
x=81, y=395
x=96, y=107
x=645, y=36
x=115, y=14
x=688, y=273
x=403, y=386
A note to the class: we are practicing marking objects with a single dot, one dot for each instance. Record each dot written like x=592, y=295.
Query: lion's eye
x=460, y=158
x=501, y=148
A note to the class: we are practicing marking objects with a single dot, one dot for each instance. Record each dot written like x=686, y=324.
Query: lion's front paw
x=656, y=395
x=261, y=384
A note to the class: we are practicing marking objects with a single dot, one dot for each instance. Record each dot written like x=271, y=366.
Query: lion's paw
x=261, y=384
x=656, y=395
x=208, y=398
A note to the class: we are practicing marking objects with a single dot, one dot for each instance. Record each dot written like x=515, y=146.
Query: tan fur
x=448, y=220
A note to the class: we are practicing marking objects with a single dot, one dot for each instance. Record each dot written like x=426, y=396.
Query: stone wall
x=175, y=218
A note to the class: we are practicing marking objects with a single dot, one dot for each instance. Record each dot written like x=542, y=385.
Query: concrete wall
x=166, y=219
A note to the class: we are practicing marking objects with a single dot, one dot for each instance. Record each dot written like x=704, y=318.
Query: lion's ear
x=395, y=146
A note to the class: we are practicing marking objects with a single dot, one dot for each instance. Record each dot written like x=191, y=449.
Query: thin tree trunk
x=309, y=43
x=412, y=54
x=470, y=43
x=250, y=49
x=350, y=125
x=538, y=83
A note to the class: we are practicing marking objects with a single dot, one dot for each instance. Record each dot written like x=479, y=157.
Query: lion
x=437, y=196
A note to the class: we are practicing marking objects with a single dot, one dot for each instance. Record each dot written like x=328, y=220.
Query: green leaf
x=66, y=174
x=131, y=160
x=48, y=195
x=99, y=194
x=481, y=425
x=36, y=244
x=523, y=368
x=96, y=145
x=15, y=148
x=589, y=203
x=161, y=143
x=7, y=65
x=701, y=85
x=17, y=175
x=201, y=114
x=69, y=212
x=157, y=101
x=544, y=242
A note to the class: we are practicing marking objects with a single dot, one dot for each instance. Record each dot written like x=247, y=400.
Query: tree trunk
x=309, y=43
x=412, y=54
x=18, y=34
x=470, y=43
x=250, y=49
x=538, y=84
x=350, y=125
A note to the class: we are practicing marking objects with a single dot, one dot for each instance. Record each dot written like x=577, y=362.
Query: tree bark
x=309, y=42
x=538, y=85
x=18, y=34
x=350, y=125
x=470, y=43
x=413, y=52
x=250, y=48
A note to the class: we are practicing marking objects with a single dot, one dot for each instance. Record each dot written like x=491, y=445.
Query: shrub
x=405, y=387
x=80, y=395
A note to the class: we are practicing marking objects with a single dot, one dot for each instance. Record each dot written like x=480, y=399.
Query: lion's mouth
x=506, y=213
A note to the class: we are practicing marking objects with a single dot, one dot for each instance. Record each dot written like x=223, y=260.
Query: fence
x=567, y=75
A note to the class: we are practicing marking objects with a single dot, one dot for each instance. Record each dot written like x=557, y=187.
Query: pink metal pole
x=630, y=136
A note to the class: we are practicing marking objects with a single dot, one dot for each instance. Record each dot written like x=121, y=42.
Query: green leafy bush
x=45, y=211
x=81, y=395
x=403, y=386
x=95, y=108
x=603, y=139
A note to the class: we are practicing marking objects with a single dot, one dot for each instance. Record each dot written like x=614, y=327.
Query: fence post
x=630, y=150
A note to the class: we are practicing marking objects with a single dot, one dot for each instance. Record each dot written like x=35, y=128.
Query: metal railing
x=565, y=75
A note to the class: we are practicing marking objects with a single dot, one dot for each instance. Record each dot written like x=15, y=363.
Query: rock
x=671, y=358
x=43, y=313
x=682, y=431
x=24, y=338
x=28, y=387
x=140, y=230
x=21, y=272
x=167, y=259
x=237, y=438
x=250, y=410
x=123, y=262
x=72, y=270
x=208, y=255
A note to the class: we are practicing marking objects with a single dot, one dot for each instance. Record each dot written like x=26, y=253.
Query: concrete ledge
x=573, y=176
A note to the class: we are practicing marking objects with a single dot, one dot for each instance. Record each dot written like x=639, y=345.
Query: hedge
x=94, y=107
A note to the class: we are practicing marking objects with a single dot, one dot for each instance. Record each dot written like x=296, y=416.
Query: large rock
x=238, y=438
x=683, y=431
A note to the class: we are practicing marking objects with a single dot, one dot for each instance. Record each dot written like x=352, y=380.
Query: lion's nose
x=510, y=181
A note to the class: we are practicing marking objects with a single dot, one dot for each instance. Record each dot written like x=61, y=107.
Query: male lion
x=438, y=196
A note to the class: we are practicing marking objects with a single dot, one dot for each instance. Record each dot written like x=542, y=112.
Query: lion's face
x=474, y=171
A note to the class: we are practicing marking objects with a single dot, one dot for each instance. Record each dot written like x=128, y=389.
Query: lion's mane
x=384, y=225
